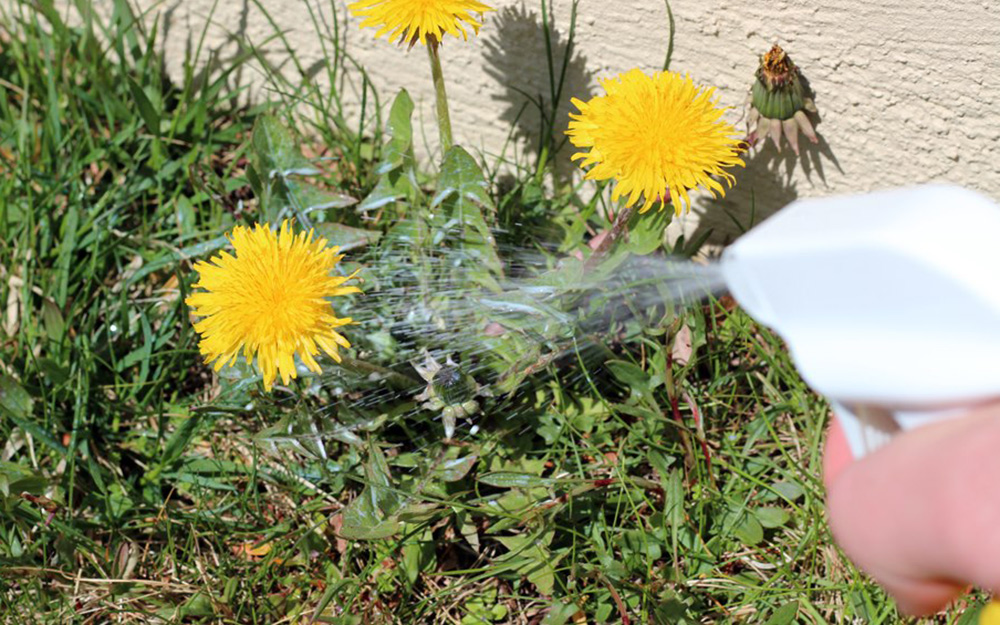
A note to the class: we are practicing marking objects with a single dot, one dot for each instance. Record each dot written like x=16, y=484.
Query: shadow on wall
x=516, y=57
x=763, y=187
x=227, y=59
x=212, y=60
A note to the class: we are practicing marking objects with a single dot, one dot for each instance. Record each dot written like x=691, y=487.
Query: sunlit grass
x=627, y=475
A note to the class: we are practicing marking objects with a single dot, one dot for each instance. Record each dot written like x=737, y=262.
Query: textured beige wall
x=908, y=90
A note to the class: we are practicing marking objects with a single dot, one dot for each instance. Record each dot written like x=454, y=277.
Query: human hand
x=921, y=515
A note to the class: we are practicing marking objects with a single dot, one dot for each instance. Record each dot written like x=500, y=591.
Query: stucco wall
x=907, y=89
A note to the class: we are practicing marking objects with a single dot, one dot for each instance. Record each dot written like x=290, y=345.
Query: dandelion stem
x=443, y=116
x=393, y=378
x=617, y=229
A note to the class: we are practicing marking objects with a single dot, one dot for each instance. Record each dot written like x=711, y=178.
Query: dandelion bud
x=452, y=386
x=779, y=101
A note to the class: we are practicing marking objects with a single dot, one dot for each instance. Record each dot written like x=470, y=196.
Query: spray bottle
x=889, y=304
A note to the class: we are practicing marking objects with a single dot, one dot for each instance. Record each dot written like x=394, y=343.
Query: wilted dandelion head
x=270, y=300
x=655, y=135
x=416, y=20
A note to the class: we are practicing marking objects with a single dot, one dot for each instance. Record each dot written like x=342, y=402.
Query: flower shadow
x=762, y=188
x=535, y=101
x=766, y=185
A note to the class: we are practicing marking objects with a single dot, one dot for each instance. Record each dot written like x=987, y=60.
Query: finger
x=886, y=512
x=921, y=597
x=915, y=514
x=837, y=454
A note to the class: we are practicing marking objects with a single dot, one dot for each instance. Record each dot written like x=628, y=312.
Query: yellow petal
x=651, y=133
x=270, y=300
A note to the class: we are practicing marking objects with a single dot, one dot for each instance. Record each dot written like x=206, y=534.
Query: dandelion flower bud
x=779, y=102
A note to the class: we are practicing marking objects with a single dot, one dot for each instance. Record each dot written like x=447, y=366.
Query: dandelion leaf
x=347, y=238
x=372, y=514
x=14, y=400
x=784, y=615
x=418, y=555
x=309, y=198
x=275, y=152
x=16, y=479
x=517, y=357
x=276, y=159
x=645, y=232
x=458, y=214
x=530, y=557
x=629, y=374
x=397, y=179
x=395, y=185
x=455, y=469
x=398, y=149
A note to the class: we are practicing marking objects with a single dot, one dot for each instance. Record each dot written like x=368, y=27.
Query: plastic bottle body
x=884, y=311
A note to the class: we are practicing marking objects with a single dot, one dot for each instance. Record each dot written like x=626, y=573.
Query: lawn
x=601, y=454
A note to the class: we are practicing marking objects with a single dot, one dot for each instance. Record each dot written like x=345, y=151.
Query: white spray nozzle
x=890, y=299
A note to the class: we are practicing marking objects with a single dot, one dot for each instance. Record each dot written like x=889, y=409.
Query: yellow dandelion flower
x=270, y=300
x=654, y=135
x=990, y=615
x=413, y=20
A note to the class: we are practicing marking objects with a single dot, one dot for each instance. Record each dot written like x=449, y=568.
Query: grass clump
x=606, y=458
